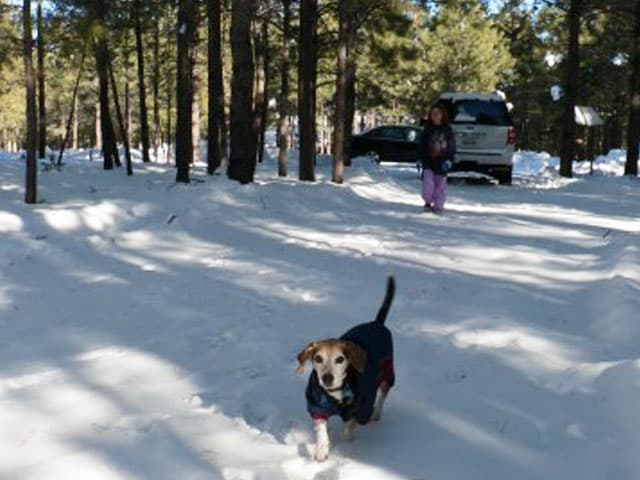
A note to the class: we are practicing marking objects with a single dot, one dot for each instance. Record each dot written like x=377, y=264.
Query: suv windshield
x=479, y=112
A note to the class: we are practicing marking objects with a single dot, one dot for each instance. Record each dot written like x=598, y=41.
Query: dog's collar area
x=337, y=389
x=347, y=393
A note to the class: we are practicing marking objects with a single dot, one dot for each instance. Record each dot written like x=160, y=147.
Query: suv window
x=479, y=112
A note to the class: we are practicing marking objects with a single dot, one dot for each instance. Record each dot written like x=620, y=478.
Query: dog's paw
x=348, y=435
x=322, y=453
x=376, y=417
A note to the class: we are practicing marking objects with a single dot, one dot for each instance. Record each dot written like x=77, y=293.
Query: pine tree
x=242, y=161
x=98, y=13
x=633, y=133
x=307, y=75
x=216, y=93
x=42, y=110
x=346, y=16
x=283, y=103
x=568, y=140
x=142, y=91
x=31, y=195
x=184, y=91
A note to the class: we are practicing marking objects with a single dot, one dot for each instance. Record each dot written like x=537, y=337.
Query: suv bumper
x=492, y=170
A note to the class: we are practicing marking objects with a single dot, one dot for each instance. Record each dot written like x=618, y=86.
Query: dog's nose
x=327, y=379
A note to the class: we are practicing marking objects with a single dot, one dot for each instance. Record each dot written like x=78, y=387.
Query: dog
x=351, y=376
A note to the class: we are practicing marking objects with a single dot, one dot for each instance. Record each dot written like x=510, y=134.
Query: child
x=436, y=152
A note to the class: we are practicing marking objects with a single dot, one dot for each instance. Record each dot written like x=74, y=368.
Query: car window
x=480, y=112
x=388, y=133
x=413, y=135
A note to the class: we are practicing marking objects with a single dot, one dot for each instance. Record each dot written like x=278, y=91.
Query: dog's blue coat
x=375, y=339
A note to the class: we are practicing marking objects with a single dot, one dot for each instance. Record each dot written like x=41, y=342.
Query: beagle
x=351, y=376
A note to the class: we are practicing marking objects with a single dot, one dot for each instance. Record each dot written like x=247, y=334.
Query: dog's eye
x=317, y=359
x=340, y=360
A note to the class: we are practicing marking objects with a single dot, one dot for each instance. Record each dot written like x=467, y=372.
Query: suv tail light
x=511, y=136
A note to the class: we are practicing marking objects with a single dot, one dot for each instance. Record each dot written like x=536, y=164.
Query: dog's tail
x=386, y=303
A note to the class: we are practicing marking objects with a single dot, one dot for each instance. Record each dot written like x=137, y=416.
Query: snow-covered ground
x=148, y=331
x=541, y=163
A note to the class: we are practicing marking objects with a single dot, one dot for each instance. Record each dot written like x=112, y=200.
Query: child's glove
x=447, y=165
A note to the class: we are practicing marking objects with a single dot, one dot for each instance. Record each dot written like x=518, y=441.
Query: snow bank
x=527, y=163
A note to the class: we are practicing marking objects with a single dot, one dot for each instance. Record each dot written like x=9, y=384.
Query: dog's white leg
x=381, y=398
x=349, y=428
x=323, y=444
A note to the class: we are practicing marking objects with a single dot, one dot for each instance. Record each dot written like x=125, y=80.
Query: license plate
x=469, y=140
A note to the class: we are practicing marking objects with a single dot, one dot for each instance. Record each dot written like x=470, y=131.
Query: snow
x=542, y=164
x=149, y=330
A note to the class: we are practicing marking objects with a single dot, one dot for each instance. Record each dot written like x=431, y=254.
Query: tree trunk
x=123, y=129
x=184, y=90
x=156, y=80
x=216, y=94
x=261, y=105
x=170, y=86
x=101, y=49
x=633, y=133
x=142, y=91
x=42, y=120
x=73, y=113
x=350, y=98
x=224, y=120
x=242, y=161
x=196, y=82
x=345, y=19
x=197, y=97
x=97, y=128
x=127, y=84
x=76, y=123
x=568, y=141
x=283, y=104
x=31, y=189
x=307, y=66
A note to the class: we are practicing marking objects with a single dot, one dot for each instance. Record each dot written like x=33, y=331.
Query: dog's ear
x=356, y=355
x=304, y=355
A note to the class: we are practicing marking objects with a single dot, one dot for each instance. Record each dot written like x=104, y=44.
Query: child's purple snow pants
x=434, y=189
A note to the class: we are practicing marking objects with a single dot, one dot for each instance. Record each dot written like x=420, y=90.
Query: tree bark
x=142, y=91
x=101, y=49
x=184, y=90
x=242, y=161
x=216, y=94
x=283, y=104
x=261, y=105
x=224, y=126
x=31, y=194
x=73, y=113
x=123, y=128
x=98, y=128
x=350, y=98
x=156, y=80
x=76, y=123
x=127, y=83
x=307, y=67
x=568, y=141
x=344, y=25
x=195, y=82
x=633, y=132
x=42, y=120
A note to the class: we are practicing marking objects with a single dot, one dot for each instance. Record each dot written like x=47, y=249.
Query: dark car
x=389, y=143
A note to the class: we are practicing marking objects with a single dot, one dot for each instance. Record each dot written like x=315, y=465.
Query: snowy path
x=149, y=331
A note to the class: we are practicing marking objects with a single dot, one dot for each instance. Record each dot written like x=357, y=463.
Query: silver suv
x=484, y=132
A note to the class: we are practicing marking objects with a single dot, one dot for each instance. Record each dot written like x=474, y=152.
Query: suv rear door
x=481, y=126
